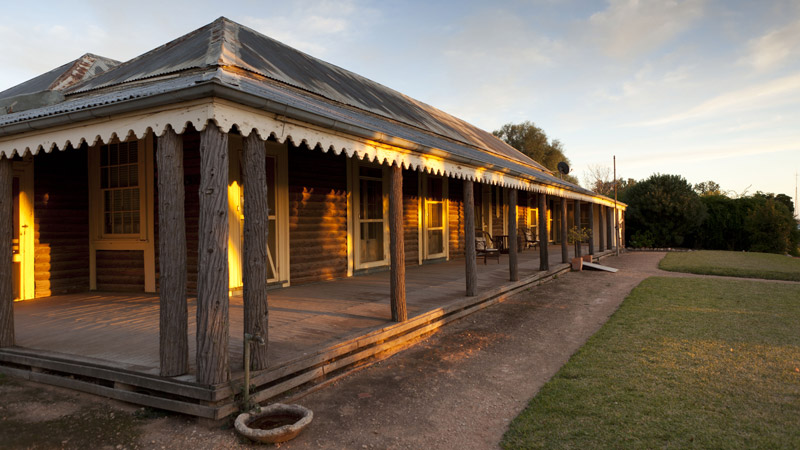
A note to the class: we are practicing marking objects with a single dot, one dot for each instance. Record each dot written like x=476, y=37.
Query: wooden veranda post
x=471, y=264
x=601, y=242
x=212, y=267
x=396, y=246
x=544, y=261
x=564, y=232
x=254, y=253
x=513, y=246
x=609, y=229
x=591, y=228
x=173, y=310
x=578, y=249
x=6, y=263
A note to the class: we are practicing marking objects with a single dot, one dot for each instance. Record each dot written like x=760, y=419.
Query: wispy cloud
x=770, y=94
x=774, y=48
x=629, y=28
x=313, y=25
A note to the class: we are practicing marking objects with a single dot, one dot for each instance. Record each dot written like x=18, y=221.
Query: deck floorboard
x=121, y=330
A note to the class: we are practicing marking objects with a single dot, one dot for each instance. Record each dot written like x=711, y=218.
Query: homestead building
x=225, y=170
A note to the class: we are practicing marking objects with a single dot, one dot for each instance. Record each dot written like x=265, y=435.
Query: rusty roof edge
x=216, y=88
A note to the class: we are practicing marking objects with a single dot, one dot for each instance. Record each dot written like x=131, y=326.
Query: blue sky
x=706, y=89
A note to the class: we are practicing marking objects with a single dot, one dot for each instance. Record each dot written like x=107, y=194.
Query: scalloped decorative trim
x=228, y=115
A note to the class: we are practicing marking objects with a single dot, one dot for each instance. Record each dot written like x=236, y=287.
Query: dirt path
x=458, y=389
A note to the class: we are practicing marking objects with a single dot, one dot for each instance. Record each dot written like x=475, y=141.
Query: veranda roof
x=225, y=60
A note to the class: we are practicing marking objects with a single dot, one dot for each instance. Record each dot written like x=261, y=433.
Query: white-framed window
x=435, y=235
x=369, y=214
x=121, y=202
x=533, y=221
x=121, y=168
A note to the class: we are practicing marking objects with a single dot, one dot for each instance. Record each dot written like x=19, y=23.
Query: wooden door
x=22, y=240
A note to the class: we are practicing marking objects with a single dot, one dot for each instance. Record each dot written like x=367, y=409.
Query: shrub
x=664, y=209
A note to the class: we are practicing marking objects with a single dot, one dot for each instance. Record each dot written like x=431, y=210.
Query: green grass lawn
x=683, y=363
x=734, y=264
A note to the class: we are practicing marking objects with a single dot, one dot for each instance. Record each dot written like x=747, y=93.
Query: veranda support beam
x=591, y=228
x=256, y=231
x=173, y=312
x=471, y=265
x=513, y=263
x=6, y=263
x=601, y=244
x=578, y=249
x=396, y=246
x=212, y=267
x=544, y=262
x=564, y=240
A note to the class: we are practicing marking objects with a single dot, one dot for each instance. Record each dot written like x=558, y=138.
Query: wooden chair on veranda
x=484, y=247
x=531, y=241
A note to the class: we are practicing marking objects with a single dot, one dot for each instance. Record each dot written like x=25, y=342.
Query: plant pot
x=577, y=264
x=587, y=258
x=274, y=423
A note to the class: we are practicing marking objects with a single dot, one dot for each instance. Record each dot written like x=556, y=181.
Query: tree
x=708, y=188
x=662, y=211
x=533, y=142
x=598, y=178
x=771, y=226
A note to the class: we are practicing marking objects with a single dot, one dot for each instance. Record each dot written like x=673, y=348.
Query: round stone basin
x=274, y=423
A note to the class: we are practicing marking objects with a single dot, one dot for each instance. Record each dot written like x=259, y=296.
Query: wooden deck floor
x=121, y=331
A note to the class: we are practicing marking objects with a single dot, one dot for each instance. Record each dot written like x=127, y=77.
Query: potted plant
x=576, y=236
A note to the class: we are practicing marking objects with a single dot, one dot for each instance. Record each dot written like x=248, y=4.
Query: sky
x=706, y=89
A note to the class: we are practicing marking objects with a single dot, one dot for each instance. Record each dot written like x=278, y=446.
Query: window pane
x=123, y=153
x=435, y=215
x=113, y=177
x=135, y=219
x=371, y=242
x=103, y=178
x=133, y=175
x=113, y=153
x=127, y=226
x=133, y=152
x=371, y=200
x=108, y=224
x=123, y=176
x=104, y=155
x=117, y=200
x=134, y=199
x=117, y=227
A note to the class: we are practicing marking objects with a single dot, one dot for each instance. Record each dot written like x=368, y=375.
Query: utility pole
x=616, y=215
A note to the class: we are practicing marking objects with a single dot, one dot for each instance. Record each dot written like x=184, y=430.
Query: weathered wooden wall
x=61, y=222
x=317, y=215
x=120, y=270
x=498, y=217
x=455, y=189
x=411, y=216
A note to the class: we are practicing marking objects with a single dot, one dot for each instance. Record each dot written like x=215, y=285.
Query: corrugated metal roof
x=206, y=55
x=224, y=43
x=63, y=77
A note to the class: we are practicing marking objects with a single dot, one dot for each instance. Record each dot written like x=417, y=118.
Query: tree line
x=667, y=211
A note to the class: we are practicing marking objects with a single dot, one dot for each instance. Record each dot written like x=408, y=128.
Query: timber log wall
x=61, y=222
